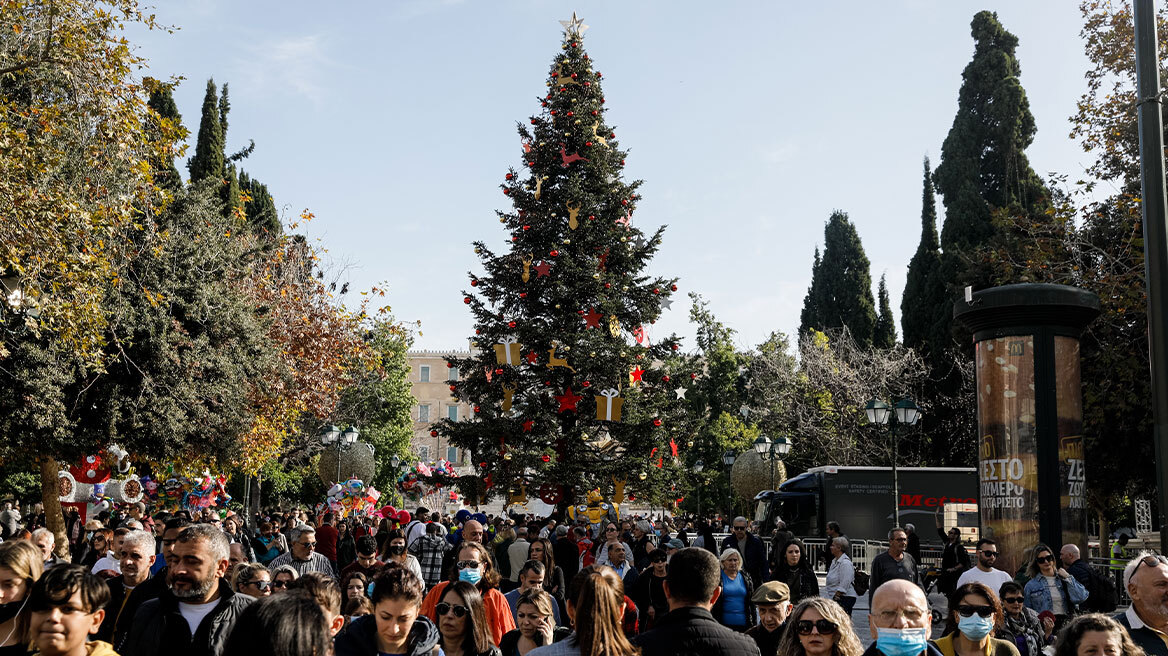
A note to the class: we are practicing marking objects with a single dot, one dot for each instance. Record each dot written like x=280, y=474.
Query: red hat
x=404, y=517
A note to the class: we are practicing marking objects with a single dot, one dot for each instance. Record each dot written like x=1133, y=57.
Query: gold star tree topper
x=575, y=26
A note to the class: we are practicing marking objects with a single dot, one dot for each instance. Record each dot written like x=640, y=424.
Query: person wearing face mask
x=20, y=566
x=394, y=551
x=473, y=564
x=899, y=621
x=974, y=612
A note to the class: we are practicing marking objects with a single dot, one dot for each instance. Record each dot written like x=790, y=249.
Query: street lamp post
x=342, y=439
x=728, y=460
x=698, y=467
x=905, y=412
x=772, y=451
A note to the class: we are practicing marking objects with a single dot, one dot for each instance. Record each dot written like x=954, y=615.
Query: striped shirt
x=315, y=563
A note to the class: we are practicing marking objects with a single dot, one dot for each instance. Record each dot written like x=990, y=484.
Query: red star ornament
x=635, y=375
x=569, y=400
x=542, y=269
x=532, y=357
x=528, y=425
x=592, y=319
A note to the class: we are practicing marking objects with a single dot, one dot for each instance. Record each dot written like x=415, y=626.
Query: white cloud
x=290, y=64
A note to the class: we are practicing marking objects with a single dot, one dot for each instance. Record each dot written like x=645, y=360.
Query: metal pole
x=338, y=464
x=895, y=480
x=1155, y=236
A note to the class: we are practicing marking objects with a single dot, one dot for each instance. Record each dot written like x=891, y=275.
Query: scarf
x=1018, y=626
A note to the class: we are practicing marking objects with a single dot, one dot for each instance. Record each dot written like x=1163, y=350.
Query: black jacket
x=1144, y=637
x=754, y=556
x=800, y=580
x=159, y=627
x=720, y=607
x=768, y=641
x=693, y=631
x=151, y=589
x=360, y=638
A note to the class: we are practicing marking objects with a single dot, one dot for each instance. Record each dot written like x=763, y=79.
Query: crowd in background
x=286, y=583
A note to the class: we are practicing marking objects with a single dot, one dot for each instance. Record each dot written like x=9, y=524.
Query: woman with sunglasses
x=648, y=591
x=282, y=576
x=473, y=565
x=536, y=624
x=1021, y=625
x=252, y=579
x=462, y=622
x=819, y=627
x=974, y=612
x=1051, y=589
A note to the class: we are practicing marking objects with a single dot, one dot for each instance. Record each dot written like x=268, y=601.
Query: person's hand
x=547, y=627
x=1063, y=573
x=1048, y=625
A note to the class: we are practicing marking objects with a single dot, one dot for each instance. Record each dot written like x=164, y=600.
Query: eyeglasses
x=1153, y=561
x=1044, y=559
x=310, y=545
x=279, y=584
x=989, y=554
x=739, y=528
x=824, y=627
x=468, y=564
x=444, y=608
x=1013, y=600
x=965, y=610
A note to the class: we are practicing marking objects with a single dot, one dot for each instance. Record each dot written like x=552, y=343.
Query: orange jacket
x=495, y=604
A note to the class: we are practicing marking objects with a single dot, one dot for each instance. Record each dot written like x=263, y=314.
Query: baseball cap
x=674, y=543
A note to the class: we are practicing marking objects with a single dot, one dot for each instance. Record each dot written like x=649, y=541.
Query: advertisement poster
x=1008, y=445
x=1072, y=470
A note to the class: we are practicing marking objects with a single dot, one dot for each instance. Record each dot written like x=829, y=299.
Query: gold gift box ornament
x=507, y=352
x=608, y=405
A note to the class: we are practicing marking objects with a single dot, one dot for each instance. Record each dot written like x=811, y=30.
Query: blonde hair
x=846, y=642
x=598, y=597
x=24, y=559
x=539, y=598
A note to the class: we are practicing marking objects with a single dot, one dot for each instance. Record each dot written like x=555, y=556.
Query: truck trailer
x=860, y=499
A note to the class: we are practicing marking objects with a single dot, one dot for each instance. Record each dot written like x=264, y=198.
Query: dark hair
x=548, y=560
x=477, y=638
x=367, y=545
x=835, y=527
x=490, y=577
x=707, y=534
x=321, y=587
x=980, y=589
x=57, y=584
x=291, y=624
x=693, y=576
x=782, y=569
x=397, y=582
x=989, y=541
x=532, y=566
x=354, y=604
x=355, y=575
x=598, y=596
x=176, y=522
x=1008, y=587
x=1069, y=638
x=390, y=537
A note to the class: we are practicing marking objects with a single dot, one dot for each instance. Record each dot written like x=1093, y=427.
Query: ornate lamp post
x=728, y=461
x=343, y=441
x=907, y=413
x=698, y=467
x=772, y=451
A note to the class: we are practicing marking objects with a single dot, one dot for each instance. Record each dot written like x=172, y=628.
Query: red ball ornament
x=608, y=285
x=533, y=121
x=622, y=162
x=612, y=135
x=587, y=383
x=665, y=378
x=545, y=104
x=527, y=227
x=515, y=239
x=452, y=388
x=573, y=74
x=569, y=112
x=602, y=101
x=591, y=217
x=673, y=287
x=675, y=347
x=693, y=376
x=554, y=253
x=656, y=290
x=587, y=143
x=599, y=74
x=510, y=324
x=587, y=84
x=483, y=465
x=531, y=163
x=522, y=294
x=466, y=300
x=478, y=332
x=623, y=200
x=547, y=383
x=574, y=44
x=474, y=283
x=656, y=422
x=546, y=458
x=506, y=192
x=449, y=365
x=509, y=176
x=553, y=112
x=476, y=409
x=433, y=433
x=594, y=112
x=499, y=371
x=585, y=57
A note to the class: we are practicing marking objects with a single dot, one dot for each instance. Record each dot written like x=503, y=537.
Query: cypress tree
x=841, y=285
x=261, y=207
x=983, y=161
x=884, y=335
x=207, y=161
x=924, y=290
x=161, y=101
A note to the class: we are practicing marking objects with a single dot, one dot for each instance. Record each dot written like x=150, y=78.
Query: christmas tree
x=570, y=391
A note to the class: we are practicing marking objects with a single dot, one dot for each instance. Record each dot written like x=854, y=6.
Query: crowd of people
x=470, y=585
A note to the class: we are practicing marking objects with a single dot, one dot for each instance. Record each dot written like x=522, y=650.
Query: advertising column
x=1031, y=468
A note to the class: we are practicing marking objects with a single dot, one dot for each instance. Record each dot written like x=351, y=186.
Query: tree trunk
x=51, y=498
x=1104, y=536
x=256, y=489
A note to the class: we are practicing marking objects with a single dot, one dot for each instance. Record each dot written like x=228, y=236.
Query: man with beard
x=196, y=613
x=136, y=558
x=1146, y=620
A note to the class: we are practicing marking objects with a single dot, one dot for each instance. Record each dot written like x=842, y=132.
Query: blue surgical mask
x=975, y=627
x=901, y=642
x=471, y=575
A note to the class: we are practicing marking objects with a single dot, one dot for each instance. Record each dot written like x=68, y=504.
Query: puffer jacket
x=360, y=638
x=159, y=627
x=693, y=631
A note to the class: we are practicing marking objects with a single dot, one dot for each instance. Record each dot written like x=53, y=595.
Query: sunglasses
x=459, y=611
x=739, y=528
x=659, y=559
x=1044, y=559
x=965, y=610
x=989, y=554
x=310, y=545
x=260, y=585
x=824, y=627
x=1013, y=600
x=1153, y=561
x=279, y=584
x=468, y=564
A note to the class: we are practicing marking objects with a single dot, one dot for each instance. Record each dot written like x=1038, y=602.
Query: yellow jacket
x=98, y=648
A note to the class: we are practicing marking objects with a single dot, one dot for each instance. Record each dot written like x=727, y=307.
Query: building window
x=452, y=412
x=452, y=454
x=453, y=374
x=424, y=373
x=423, y=453
x=424, y=412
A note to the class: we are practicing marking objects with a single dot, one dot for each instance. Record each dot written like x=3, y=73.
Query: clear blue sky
x=394, y=123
